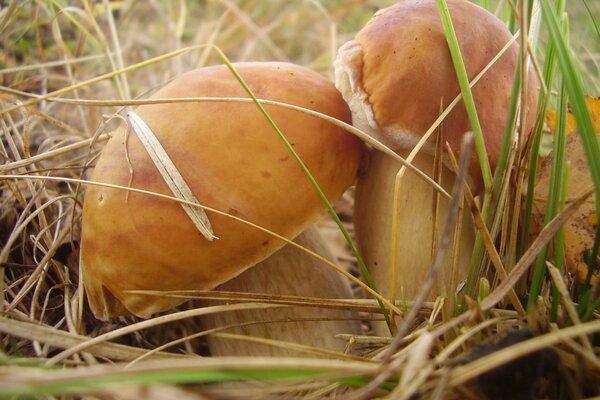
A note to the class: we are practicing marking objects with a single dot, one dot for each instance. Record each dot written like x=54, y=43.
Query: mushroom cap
x=233, y=161
x=397, y=75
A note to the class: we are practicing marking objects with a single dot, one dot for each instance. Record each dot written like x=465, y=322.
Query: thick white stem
x=419, y=214
x=290, y=271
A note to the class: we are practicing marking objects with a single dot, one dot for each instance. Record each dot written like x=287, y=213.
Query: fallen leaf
x=580, y=229
x=593, y=107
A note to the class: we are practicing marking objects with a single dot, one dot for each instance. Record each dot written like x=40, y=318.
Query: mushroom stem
x=289, y=271
x=421, y=213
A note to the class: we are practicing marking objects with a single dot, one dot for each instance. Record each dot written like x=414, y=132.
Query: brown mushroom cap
x=397, y=74
x=233, y=161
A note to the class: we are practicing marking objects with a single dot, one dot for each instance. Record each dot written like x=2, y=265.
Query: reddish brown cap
x=397, y=74
x=233, y=161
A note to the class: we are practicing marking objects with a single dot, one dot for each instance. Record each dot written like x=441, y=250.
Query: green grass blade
x=68, y=13
x=463, y=80
x=80, y=385
x=554, y=193
x=510, y=18
x=560, y=244
x=592, y=17
x=543, y=102
x=550, y=66
x=367, y=275
x=589, y=311
x=491, y=201
x=507, y=140
x=574, y=85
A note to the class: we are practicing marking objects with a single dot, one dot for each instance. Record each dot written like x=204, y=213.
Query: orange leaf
x=593, y=107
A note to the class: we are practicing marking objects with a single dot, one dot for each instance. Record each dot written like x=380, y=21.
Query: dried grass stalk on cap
x=397, y=76
x=233, y=161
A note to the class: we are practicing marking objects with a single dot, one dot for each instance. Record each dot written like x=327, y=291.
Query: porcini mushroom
x=397, y=76
x=233, y=161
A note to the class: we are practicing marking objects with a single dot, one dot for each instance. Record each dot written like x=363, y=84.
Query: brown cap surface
x=233, y=161
x=397, y=74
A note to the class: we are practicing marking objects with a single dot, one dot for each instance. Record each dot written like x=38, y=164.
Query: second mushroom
x=397, y=76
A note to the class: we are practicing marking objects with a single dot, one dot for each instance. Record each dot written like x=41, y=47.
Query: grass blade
x=463, y=80
x=330, y=209
x=491, y=201
x=554, y=194
x=560, y=245
x=543, y=101
x=592, y=17
x=574, y=85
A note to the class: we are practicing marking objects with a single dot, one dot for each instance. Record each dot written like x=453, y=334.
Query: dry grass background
x=49, y=46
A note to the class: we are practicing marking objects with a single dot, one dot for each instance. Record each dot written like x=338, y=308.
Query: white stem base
x=373, y=222
x=289, y=271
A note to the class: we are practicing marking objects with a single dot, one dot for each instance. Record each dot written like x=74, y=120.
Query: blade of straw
x=171, y=175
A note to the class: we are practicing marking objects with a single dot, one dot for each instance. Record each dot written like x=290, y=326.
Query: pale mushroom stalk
x=420, y=213
x=289, y=271
x=394, y=75
x=232, y=161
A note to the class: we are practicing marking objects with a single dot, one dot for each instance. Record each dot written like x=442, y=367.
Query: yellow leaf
x=593, y=107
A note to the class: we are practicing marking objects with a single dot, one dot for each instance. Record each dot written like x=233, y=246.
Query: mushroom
x=233, y=161
x=397, y=76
